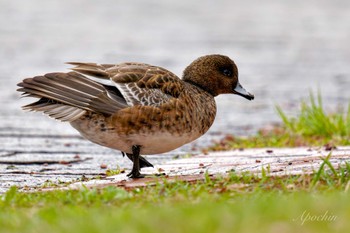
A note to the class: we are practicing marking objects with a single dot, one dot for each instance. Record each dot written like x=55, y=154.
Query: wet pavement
x=283, y=50
x=270, y=161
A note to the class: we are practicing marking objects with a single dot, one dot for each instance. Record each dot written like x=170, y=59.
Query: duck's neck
x=204, y=87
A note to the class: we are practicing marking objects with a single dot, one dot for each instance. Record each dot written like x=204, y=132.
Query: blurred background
x=283, y=50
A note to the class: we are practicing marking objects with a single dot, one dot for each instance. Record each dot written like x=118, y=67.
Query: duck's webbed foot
x=143, y=162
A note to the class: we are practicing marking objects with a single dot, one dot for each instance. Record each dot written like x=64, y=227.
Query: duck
x=136, y=108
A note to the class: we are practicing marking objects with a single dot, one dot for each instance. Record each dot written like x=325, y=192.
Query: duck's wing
x=68, y=96
x=139, y=83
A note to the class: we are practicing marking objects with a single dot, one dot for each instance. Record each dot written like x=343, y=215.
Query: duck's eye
x=227, y=72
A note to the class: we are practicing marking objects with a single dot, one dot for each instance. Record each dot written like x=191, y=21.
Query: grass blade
x=317, y=177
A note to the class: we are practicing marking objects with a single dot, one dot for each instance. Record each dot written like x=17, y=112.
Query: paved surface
x=282, y=48
x=275, y=162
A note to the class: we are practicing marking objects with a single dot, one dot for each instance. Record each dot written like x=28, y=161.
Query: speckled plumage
x=144, y=108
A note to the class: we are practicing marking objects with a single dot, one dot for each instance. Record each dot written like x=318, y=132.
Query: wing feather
x=71, y=89
x=147, y=85
x=56, y=110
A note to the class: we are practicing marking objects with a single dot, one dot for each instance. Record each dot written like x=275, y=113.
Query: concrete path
x=276, y=162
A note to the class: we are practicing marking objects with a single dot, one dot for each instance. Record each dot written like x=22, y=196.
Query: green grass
x=312, y=127
x=243, y=202
x=318, y=202
x=313, y=120
x=237, y=202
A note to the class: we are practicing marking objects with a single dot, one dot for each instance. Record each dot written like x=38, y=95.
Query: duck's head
x=216, y=74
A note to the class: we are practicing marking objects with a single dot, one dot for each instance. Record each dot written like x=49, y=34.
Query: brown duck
x=143, y=109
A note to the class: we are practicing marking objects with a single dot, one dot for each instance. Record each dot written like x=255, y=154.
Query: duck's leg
x=135, y=172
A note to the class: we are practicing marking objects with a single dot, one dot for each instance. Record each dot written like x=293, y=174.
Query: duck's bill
x=239, y=90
